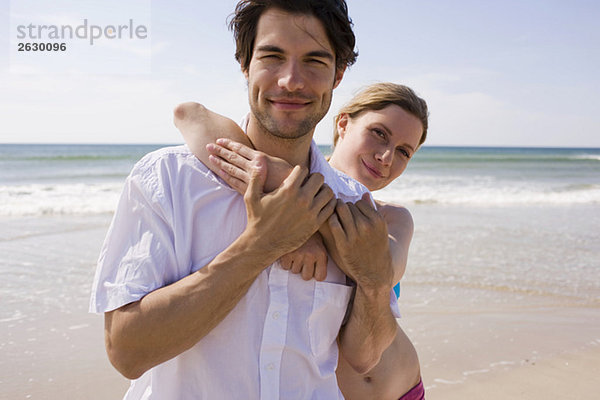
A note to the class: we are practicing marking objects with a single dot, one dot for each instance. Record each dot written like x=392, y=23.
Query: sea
x=47, y=179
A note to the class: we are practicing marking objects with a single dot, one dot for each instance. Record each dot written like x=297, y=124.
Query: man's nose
x=291, y=77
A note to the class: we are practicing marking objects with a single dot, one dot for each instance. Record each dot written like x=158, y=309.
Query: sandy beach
x=572, y=375
x=474, y=341
x=52, y=348
x=504, y=302
x=486, y=351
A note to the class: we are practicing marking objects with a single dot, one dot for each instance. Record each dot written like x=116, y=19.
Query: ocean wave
x=102, y=197
x=502, y=156
x=594, y=157
x=59, y=199
x=487, y=192
x=66, y=158
x=499, y=159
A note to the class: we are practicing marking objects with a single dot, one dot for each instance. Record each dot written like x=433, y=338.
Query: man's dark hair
x=333, y=14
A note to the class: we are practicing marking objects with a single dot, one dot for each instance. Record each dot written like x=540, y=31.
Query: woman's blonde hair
x=380, y=95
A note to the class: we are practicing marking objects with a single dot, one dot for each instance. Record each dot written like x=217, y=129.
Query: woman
x=375, y=135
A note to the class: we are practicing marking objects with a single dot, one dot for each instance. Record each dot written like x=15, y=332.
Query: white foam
x=75, y=327
x=485, y=191
x=18, y=315
x=447, y=382
x=588, y=157
x=502, y=363
x=67, y=198
x=416, y=188
x=476, y=371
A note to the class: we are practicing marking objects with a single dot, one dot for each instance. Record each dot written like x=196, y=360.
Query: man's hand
x=281, y=221
x=310, y=259
x=360, y=244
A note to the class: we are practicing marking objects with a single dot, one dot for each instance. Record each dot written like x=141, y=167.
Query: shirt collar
x=345, y=187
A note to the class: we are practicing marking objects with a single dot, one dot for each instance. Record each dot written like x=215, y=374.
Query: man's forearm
x=370, y=329
x=174, y=318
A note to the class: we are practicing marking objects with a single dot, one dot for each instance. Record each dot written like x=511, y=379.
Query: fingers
x=366, y=217
x=337, y=230
x=305, y=269
x=229, y=156
x=294, y=262
x=357, y=216
x=296, y=267
x=296, y=177
x=235, y=177
x=256, y=183
x=345, y=216
x=323, y=197
x=286, y=262
x=237, y=147
x=311, y=189
x=308, y=271
x=236, y=184
x=321, y=268
x=326, y=211
x=366, y=207
x=314, y=184
x=317, y=196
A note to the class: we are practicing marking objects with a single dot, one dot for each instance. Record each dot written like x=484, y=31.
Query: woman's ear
x=342, y=123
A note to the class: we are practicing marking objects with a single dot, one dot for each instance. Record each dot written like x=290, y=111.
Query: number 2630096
x=41, y=46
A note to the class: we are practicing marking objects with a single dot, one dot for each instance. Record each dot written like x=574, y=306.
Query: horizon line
x=319, y=144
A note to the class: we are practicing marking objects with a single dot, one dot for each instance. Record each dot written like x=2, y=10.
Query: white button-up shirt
x=279, y=341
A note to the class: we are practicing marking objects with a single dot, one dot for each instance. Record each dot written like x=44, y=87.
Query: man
x=196, y=304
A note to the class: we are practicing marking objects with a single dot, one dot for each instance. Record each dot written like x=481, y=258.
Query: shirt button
x=276, y=315
x=270, y=366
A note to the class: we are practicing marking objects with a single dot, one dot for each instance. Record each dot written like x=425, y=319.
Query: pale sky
x=511, y=73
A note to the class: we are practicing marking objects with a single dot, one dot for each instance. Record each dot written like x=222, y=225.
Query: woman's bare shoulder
x=393, y=212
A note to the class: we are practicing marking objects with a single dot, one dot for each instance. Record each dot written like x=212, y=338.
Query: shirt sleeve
x=138, y=253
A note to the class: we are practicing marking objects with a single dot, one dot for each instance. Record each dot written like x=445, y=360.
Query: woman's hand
x=234, y=161
x=310, y=259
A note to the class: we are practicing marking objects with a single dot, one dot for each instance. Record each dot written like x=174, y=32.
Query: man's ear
x=341, y=125
x=245, y=72
x=339, y=74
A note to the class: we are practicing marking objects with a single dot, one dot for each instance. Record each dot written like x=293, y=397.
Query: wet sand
x=525, y=348
x=51, y=347
x=571, y=375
